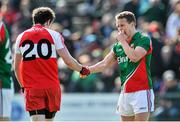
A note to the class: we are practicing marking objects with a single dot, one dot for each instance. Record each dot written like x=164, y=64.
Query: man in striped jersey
x=133, y=52
x=6, y=84
x=36, y=66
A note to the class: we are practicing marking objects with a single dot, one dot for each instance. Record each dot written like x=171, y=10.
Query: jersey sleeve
x=17, y=48
x=59, y=42
x=57, y=39
x=114, y=48
x=144, y=43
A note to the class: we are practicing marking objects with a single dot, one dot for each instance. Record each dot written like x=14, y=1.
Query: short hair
x=129, y=16
x=42, y=15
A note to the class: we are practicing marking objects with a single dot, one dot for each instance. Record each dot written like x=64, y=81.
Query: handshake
x=84, y=72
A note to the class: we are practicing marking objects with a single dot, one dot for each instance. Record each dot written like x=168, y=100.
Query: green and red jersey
x=135, y=76
x=5, y=57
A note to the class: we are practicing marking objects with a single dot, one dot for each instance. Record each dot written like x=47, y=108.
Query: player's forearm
x=74, y=65
x=99, y=67
x=105, y=63
x=130, y=52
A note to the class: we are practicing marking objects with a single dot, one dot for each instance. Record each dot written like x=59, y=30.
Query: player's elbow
x=15, y=67
x=134, y=58
x=16, y=70
x=69, y=63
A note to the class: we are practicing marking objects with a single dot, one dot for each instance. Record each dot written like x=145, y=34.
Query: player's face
x=123, y=26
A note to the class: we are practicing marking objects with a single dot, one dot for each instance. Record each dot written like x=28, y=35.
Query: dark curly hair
x=42, y=15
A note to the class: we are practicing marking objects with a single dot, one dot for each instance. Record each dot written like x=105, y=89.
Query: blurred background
x=88, y=27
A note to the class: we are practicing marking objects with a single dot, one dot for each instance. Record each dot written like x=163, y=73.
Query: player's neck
x=133, y=32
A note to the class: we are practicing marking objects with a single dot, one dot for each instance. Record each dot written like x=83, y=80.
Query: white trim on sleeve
x=17, y=48
x=57, y=38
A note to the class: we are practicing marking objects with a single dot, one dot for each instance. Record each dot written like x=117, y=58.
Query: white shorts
x=133, y=103
x=6, y=96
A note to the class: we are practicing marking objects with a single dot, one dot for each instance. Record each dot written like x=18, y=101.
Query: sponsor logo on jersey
x=122, y=59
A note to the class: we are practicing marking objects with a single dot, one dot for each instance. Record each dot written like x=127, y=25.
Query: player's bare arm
x=17, y=61
x=69, y=60
x=105, y=63
x=133, y=54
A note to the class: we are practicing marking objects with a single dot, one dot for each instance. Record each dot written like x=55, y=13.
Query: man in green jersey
x=6, y=92
x=132, y=52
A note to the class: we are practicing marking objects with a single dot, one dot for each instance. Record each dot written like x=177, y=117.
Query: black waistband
x=35, y=112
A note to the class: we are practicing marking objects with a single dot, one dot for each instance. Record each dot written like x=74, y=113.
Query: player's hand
x=82, y=76
x=121, y=36
x=84, y=72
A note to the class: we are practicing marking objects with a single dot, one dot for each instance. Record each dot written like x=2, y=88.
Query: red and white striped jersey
x=38, y=46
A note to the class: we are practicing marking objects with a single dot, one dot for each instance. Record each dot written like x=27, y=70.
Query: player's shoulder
x=52, y=32
x=144, y=36
x=25, y=31
x=20, y=36
x=117, y=46
x=55, y=35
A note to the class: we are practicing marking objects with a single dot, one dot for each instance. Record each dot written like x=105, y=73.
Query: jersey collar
x=135, y=37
